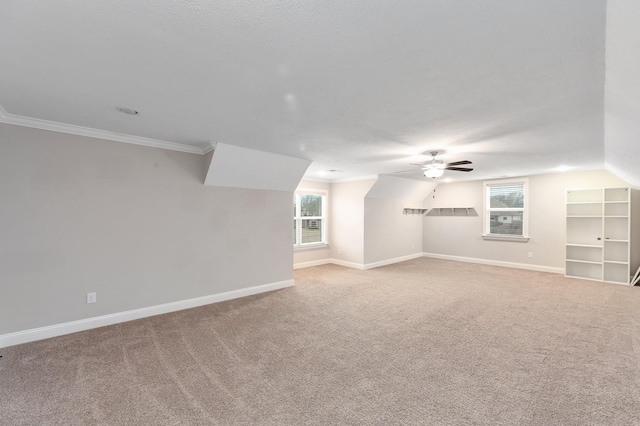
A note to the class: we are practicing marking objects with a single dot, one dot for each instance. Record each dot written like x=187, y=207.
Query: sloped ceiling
x=622, y=90
x=393, y=187
x=360, y=88
x=229, y=167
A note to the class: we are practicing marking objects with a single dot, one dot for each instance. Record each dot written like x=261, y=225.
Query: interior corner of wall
x=632, y=180
x=206, y=161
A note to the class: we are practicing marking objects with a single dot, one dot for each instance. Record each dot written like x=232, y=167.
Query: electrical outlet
x=91, y=298
x=530, y=254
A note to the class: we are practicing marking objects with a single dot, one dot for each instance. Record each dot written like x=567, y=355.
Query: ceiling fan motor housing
x=437, y=164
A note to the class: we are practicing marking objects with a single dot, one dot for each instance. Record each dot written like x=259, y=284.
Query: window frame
x=486, y=209
x=298, y=218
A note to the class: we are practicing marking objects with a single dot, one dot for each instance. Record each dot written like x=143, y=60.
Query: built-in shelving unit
x=452, y=211
x=407, y=211
x=598, y=234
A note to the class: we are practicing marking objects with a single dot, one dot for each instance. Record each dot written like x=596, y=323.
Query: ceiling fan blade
x=407, y=171
x=458, y=169
x=459, y=163
x=415, y=164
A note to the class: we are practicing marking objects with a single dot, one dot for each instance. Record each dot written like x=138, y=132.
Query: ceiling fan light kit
x=433, y=172
x=435, y=168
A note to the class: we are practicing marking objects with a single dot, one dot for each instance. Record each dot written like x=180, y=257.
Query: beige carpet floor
x=416, y=343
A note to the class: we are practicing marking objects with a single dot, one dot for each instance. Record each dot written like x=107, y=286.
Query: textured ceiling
x=516, y=86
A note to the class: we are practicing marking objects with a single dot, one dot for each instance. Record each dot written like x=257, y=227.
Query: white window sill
x=312, y=246
x=510, y=238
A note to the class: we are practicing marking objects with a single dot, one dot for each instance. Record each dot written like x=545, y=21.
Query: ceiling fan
x=435, y=168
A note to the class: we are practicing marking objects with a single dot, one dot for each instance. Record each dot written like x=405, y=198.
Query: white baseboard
x=347, y=264
x=40, y=333
x=300, y=265
x=354, y=265
x=539, y=268
x=391, y=261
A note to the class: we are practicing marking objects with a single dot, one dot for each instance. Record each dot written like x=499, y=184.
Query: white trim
x=354, y=179
x=208, y=147
x=71, y=129
x=315, y=179
x=46, y=332
x=391, y=261
x=311, y=263
x=323, y=218
x=539, y=268
x=353, y=265
x=505, y=237
x=310, y=246
x=485, y=206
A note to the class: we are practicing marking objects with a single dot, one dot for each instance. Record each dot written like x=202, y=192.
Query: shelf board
x=616, y=202
x=609, y=215
x=584, y=245
x=583, y=277
x=616, y=262
x=585, y=215
x=607, y=240
x=591, y=262
x=584, y=202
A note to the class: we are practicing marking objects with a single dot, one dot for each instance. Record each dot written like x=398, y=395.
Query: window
x=309, y=219
x=506, y=210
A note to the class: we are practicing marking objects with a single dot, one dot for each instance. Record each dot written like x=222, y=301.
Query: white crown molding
x=53, y=126
x=354, y=179
x=40, y=333
x=315, y=179
x=208, y=147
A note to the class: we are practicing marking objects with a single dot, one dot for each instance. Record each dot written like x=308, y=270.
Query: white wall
x=134, y=224
x=388, y=233
x=461, y=236
x=347, y=220
x=366, y=222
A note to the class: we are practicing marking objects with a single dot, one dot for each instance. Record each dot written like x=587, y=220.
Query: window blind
x=509, y=196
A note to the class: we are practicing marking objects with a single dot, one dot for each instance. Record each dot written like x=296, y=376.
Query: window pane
x=311, y=205
x=295, y=200
x=294, y=233
x=506, y=196
x=311, y=231
x=506, y=223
